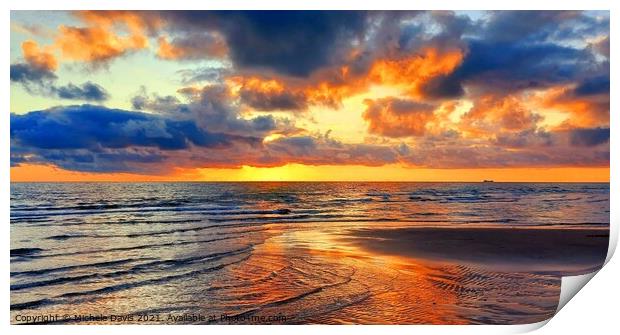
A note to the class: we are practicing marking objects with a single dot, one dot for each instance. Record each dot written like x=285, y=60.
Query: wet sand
x=550, y=251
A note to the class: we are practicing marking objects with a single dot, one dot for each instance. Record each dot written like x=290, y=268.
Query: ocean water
x=298, y=252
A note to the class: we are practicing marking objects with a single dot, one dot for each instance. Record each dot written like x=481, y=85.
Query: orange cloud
x=328, y=87
x=38, y=58
x=394, y=117
x=413, y=72
x=167, y=50
x=96, y=44
x=330, y=92
x=136, y=22
x=585, y=110
x=491, y=114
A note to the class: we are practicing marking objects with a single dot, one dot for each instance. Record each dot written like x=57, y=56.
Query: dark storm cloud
x=94, y=127
x=42, y=81
x=96, y=139
x=589, y=136
x=265, y=100
x=289, y=42
x=505, y=67
x=519, y=25
x=25, y=74
x=591, y=86
x=514, y=50
x=442, y=87
x=87, y=91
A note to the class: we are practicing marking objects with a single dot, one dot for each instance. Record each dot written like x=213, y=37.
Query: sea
x=288, y=252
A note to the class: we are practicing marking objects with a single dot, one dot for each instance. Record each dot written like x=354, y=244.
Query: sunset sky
x=407, y=96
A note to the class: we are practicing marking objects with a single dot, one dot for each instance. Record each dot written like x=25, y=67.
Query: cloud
x=192, y=47
x=98, y=139
x=87, y=92
x=516, y=25
x=38, y=68
x=492, y=114
x=589, y=137
x=528, y=148
x=451, y=91
x=292, y=43
x=26, y=74
x=95, y=127
x=505, y=68
x=214, y=107
x=412, y=73
x=592, y=86
x=527, y=138
x=204, y=74
x=394, y=117
x=513, y=51
x=417, y=72
x=62, y=135
x=37, y=58
x=169, y=104
x=505, y=51
x=96, y=45
x=323, y=150
x=587, y=103
x=106, y=36
x=34, y=29
x=37, y=76
x=42, y=82
x=268, y=95
x=602, y=46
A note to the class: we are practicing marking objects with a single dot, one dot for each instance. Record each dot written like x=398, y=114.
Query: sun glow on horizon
x=299, y=172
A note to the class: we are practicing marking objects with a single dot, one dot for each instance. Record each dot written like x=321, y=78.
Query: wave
x=137, y=247
x=25, y=251
x=120, y=287
x=76, y=267
x=140, y=268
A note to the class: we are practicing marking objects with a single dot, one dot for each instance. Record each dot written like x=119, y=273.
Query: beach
x=553, y=251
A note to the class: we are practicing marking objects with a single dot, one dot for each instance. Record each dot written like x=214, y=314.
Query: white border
x=582, y=315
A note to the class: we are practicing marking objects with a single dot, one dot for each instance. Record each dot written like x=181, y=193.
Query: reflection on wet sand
x=564, y=251
x=346, y=283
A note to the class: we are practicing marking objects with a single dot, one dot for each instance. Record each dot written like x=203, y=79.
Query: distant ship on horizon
x=487, y=181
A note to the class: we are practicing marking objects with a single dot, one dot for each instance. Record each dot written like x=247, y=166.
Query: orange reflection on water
x=390, y=289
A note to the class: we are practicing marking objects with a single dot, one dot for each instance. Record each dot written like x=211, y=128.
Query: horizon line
x=306, y=181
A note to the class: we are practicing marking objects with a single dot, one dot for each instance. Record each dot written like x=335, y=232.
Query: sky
x=309, y=95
